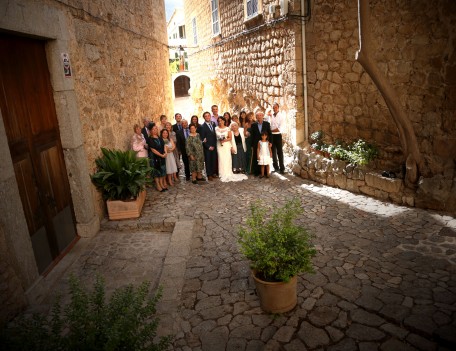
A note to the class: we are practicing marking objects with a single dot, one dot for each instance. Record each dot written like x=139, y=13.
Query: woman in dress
x=170, y=161
x=227, y=117
x=158, y=160
x=194, y=120
x=195, y=154
x=138, y=142
x=242, y=118
x=248, y=141
x=224, y=150
x=238, y=148
x=173, y=137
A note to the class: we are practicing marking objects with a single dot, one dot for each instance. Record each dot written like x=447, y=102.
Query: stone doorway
x=33, y=136
x=181, y=86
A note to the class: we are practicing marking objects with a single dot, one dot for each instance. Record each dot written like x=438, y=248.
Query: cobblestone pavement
x=385, y=275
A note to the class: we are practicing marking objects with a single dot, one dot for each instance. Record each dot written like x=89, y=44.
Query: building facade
x=302, y=54
x=78, y=76
x=178, y=58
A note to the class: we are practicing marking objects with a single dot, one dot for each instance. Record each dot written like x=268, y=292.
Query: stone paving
x=385, y=275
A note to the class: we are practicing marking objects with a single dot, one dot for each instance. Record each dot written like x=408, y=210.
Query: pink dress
x=138, y=144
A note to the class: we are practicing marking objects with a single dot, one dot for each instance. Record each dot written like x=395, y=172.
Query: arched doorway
x=181, y=86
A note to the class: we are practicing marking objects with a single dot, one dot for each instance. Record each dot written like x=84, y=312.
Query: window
x=252, y=8
x=195, y=36
x=215, y=17
x=181, y=32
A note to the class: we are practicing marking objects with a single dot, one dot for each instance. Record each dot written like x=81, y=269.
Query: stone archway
x=181, y=86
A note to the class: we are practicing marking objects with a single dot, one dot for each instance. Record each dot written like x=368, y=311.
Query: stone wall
x=120, y=60
x=250, y=64
x=120, y=74
x=12, y=296
x=415, y=50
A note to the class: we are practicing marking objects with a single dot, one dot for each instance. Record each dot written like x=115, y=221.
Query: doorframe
x=50, y=24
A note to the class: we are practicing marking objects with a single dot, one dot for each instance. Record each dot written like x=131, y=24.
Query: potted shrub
x=121, y=178
x=278, y=250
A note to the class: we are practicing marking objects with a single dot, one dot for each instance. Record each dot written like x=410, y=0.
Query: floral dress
x=194, y=147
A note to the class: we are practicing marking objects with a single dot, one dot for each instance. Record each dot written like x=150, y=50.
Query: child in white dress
x=264, y=154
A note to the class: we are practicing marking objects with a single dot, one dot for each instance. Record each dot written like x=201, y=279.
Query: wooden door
x=33, y=136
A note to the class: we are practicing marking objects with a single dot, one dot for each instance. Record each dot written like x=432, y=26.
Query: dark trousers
x=277, y=152
x=255, y=169
x=186, y=165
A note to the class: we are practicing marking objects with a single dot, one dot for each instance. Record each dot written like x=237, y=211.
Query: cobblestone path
x=385, y=275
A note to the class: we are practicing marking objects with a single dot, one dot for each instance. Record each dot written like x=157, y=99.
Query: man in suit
x=181, y=137
x=178, y=125
x=145, y=130
x=257, y=128
x=207, y=135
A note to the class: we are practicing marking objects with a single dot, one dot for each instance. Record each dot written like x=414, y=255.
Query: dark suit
x=256, y=137
x=145, y=132
x=176, y=127
x=180, y=137
x=210, y=156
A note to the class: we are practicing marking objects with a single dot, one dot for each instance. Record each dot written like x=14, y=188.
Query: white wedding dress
x=225, y=167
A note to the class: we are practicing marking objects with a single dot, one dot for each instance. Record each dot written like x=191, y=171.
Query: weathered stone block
x=388, y=185
x=340, y=180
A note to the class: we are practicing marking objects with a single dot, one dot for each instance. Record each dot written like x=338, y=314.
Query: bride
x=225, y=167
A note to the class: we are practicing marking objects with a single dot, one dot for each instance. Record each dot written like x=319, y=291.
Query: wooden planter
x=276, y=297
x=118, y=209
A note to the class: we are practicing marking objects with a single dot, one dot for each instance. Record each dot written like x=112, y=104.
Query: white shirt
x=277, y=122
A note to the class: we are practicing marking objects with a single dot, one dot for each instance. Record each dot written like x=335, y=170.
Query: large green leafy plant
x=89, y=322
x=120, y=174
x=277, y=247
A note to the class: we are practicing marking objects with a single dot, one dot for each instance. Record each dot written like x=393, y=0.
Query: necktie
x=210, y=126
x=186, y=133
x=179, y=126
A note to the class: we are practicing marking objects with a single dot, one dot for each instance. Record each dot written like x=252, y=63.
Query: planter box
x=126, y=209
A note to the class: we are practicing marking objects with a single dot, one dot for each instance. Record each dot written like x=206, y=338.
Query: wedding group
x=221, y=146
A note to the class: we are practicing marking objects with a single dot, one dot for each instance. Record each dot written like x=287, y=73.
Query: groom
x=207, y=135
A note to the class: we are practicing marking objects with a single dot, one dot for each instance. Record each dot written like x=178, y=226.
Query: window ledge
x=253, y=19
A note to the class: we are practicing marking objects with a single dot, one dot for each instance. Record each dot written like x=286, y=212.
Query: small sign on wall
x=66, y=65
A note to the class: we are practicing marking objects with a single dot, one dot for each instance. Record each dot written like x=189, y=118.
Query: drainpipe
x=304, y=73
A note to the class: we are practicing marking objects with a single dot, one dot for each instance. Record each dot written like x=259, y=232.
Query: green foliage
x=126, y=322
x=277, y=247
x=120, y=174
x=317, y=138
x=174, y=66
x=358, y=153
x=361, y=153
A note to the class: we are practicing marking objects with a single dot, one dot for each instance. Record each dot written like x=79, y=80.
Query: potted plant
x=278, y=250
x=121, y=178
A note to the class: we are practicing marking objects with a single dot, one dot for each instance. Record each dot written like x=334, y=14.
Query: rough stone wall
x=12, y=295
x=248, y=65
x=415, y=42
x=120, y=63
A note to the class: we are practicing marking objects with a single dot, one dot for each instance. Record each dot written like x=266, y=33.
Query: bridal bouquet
x=220, y=138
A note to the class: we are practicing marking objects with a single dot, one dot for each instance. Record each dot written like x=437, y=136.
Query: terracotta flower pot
x=126, y=209
x=276, y=297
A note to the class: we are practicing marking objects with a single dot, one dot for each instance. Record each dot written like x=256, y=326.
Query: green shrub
x=361, y=153
x=126, y=322
x=120, y=174
x=277, y=247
